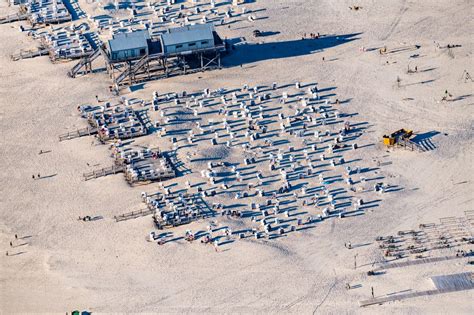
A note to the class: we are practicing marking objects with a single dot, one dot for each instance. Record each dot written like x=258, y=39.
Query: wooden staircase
x=85, y=62
x=131, y=71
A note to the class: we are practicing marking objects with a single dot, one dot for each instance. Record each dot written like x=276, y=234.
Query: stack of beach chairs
x=175, y=209
x=65, y=44
x=45, y=11
x=144, y=165
x=119, y=123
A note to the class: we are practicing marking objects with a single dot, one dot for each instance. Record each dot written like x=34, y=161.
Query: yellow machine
x=398, y=137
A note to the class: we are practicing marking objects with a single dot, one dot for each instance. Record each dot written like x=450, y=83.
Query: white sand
x=105, y=266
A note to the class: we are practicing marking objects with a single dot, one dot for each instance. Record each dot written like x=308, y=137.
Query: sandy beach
x=59, y=264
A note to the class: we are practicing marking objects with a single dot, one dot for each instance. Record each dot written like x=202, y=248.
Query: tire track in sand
x=396, y=21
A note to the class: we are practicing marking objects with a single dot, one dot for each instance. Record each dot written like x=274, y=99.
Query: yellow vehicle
x=398, y=137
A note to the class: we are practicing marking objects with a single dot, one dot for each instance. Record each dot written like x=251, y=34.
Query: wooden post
x=148, y=68
x=130, y=72
x=184, y=64
x=165, y=66
x=113, y=71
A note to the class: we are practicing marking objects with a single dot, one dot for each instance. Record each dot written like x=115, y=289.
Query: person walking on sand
x=466, y=76
x=33, y=176
x=373, y=296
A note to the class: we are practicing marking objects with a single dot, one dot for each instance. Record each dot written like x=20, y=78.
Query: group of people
x=312, y=35
x=7, y=253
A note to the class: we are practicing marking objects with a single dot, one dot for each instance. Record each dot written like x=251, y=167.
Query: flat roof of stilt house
x=128, y=45
x=188, y=33
x=190, y=39
x=175, y=38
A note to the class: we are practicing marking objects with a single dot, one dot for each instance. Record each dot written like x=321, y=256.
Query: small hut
x=188, y=38
x=129, y=46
